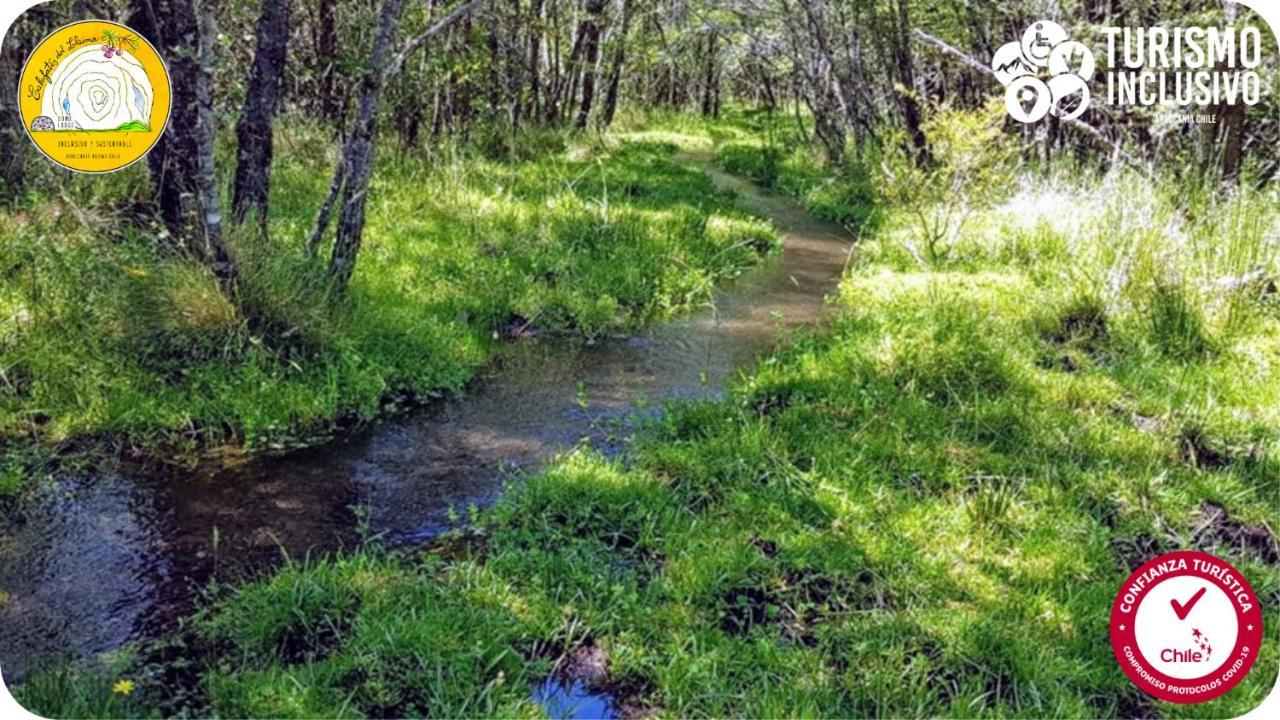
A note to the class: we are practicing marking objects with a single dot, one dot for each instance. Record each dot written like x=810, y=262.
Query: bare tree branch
x=397, y=62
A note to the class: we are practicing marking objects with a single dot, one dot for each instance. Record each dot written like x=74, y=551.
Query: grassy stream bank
x=107, y=337
x=925, y=509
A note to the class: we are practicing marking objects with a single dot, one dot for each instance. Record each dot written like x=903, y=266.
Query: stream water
x=100, y=561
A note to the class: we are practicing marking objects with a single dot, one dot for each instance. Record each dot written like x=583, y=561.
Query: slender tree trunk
x=1051, y=132
x=911, y=114
x=254, y=145
x=181, y=163
x=326, y=49
x=615, y=70
x=708, y=75
x=515, y=71
x=591, y=54
x=556, y=77
x=465, y=101
x=1231, y=123
x=355, y=168
x=1231, y=139
x=537, y=16
x=494, y=98
x=358, y=153
x=573, y=70
x=326, y=208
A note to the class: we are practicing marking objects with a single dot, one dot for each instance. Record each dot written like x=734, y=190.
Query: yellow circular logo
x=94, y=96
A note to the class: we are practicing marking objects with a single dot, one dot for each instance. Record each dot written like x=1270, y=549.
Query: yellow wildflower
x=123, y=687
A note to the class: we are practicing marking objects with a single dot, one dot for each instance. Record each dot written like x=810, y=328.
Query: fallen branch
x=1095, y=133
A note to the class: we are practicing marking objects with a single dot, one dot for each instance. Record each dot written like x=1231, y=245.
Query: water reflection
x=100, y=561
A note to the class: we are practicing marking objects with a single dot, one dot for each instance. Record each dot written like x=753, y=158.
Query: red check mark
x=1183, y=609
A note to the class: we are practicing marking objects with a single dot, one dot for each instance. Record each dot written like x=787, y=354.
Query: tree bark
x=355, y=167
x=615, y=70
x=1231, y=139
x=326, y=48
x=911, y=114
x=181, y=163
x=537, y=15
x=591, y=54
x=708, y=75
x=254, y=145
x=358, y=152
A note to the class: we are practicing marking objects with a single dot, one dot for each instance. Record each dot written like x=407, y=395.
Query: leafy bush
x=968, y=170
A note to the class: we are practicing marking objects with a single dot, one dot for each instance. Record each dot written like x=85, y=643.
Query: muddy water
x=105, y=560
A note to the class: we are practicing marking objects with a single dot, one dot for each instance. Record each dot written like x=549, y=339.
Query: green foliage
x=848, y=197
x=69, y=692
x=1177, y=325
x=106, y=331
x=968, y=169
x=923, y=510
x=760, y=163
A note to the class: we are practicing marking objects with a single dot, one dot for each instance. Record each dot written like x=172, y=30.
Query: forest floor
x=924, y=509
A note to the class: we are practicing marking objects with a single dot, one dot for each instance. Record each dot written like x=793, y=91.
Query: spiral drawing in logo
x=94, y=96
x=1044, y=72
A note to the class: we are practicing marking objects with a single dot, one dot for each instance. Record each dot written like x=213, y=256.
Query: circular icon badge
x=1028, y=99
x=1186, y=627
x=1070, y=96
x=1071, y=57
x=94, y=96
x=1008, y=63
x=1040, y=39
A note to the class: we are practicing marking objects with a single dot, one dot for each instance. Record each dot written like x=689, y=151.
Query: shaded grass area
x=104, y=332
x=924, y=510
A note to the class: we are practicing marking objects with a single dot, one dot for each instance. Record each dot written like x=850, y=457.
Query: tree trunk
x=911, y=114
x=358, y=152
x=569, y=78
x=591, y=54
x=537, y=15
x=515, y=70
x=1231, y=140
x=262, y=98
x=181, y=163
x=326, y=48
x=355, y=167
x=1231, y=124
x=555, y=81
x=615, y=70
x=708, y=77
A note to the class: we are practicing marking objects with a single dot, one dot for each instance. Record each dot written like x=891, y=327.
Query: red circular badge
x=1186, y=627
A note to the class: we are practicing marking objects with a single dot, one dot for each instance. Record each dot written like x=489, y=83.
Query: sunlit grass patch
x=109, y=332
x=923, y=509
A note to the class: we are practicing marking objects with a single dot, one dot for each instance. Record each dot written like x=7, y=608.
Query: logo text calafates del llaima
x=94, y=96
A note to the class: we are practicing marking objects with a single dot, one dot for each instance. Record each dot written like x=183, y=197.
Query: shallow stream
x=101, y=561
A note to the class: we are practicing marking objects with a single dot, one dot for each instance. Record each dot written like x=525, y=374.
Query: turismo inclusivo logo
x=1044, y=73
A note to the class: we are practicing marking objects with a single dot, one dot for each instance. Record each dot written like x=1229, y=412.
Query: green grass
x=81, y=693
x=924, y=510
x=106, y=333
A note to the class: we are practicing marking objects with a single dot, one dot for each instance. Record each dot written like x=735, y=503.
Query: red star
x=1195, y=632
